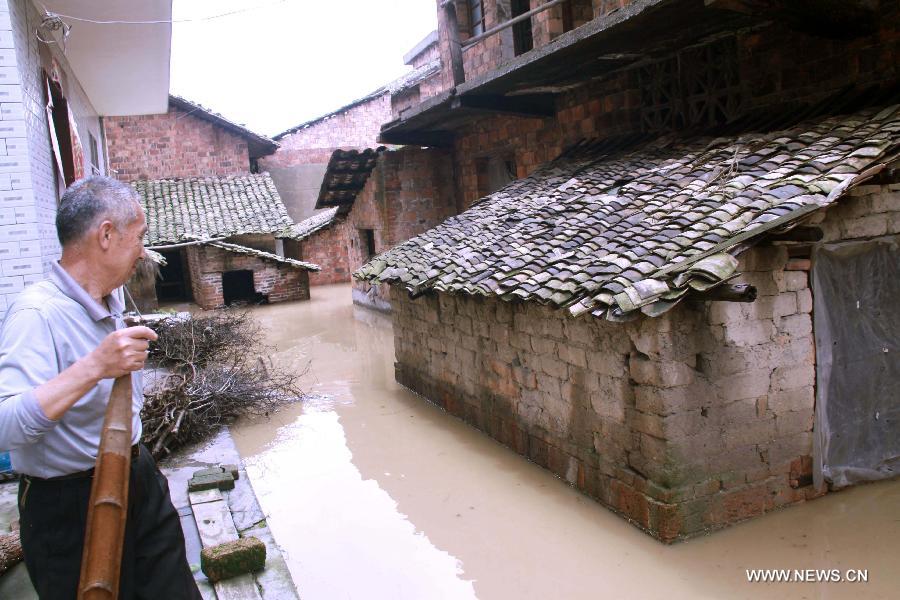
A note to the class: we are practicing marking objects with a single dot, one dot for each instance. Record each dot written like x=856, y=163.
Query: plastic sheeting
x=856, y=289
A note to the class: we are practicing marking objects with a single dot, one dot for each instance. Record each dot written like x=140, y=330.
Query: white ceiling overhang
x=123, y=68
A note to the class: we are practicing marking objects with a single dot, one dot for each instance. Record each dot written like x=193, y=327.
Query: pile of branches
x=203, y=373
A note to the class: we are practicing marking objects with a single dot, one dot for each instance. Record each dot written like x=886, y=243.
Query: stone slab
x=222, y=481
x=214, y=523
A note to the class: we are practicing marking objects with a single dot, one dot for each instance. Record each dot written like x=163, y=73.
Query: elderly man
x=61, y=345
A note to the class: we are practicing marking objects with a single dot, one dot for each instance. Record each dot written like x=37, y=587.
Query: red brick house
x=217, y=236
x=671, y=278
x=211, y=215
x=186, y=141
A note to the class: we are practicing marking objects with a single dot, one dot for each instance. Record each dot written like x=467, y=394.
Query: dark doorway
x=367, y=237
x=237, y=286
x=172, y=285
x=522, y=38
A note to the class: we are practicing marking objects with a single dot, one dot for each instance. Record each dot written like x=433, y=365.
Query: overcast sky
x=285, y=62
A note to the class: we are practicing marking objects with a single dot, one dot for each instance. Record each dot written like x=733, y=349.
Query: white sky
x=286, y=62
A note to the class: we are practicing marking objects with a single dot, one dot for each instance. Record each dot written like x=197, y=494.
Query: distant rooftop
x=258, y=145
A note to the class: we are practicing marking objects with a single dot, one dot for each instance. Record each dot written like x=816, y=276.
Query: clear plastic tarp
x=856, y=291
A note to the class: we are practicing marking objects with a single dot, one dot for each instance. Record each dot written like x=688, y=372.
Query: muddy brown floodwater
x=374, y=493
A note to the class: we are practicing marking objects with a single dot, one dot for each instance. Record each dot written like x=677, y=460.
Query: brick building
x=197, y=173
x=103, y=71
x=187, y=140
x=217, y=236
x=316, y=158
x=659, y=241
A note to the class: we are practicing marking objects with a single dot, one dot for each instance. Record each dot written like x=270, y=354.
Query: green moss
x=234, y=558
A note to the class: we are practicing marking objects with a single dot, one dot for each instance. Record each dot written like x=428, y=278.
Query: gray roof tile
x=307, y=227
x=180, y=210
x=666, y=214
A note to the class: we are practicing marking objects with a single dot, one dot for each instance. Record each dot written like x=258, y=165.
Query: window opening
x=237, y=286
x=95, y=154
x=476, y=16
x=368, y=242
x=494, y=173
x=522, y=37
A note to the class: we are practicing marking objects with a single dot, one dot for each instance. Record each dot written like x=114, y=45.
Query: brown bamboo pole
x=108, y=507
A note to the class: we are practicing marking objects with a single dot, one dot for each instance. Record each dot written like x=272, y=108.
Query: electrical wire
x=50, y=14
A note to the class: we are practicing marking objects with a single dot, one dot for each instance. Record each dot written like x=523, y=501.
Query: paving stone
x=230, y=559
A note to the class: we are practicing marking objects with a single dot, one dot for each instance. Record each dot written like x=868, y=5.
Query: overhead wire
x=51, y=15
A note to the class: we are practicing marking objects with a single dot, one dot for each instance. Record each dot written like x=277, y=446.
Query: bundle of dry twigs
x=208, y=370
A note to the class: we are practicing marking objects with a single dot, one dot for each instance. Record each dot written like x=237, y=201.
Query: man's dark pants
x=53, y=515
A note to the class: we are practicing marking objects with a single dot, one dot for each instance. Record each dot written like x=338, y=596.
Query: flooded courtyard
x=372, y=492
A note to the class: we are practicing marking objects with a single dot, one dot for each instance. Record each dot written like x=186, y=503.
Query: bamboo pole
x=108, y=507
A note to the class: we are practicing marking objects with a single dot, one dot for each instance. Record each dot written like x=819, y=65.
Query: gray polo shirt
x=49, y=326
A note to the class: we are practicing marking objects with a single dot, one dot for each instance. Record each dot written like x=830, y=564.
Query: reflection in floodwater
x=374, y=493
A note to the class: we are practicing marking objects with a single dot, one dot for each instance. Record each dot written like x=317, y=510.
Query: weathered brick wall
x=426, y=56
x=868, y=211
x=595, y=110
x=356, y=127
x=329, y=248
x=278, y=282
x=299, y=164
x=176, y=144
x=29, y=188
x=404, y=100
x=683, y=423
x=425, y=89
x=548, y=25
x=409, y=192
x=495, y=50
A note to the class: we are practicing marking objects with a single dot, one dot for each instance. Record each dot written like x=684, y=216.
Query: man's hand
x=121, y=352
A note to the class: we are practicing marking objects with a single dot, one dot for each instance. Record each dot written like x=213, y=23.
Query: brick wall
x=409, y=192
x=29, y=187
x=426, y=56
x=356, y=127
x=495, y=50
x=276, y=281
x=299, y=164
x=329, y=248
x=176, y=144
x=684, y=423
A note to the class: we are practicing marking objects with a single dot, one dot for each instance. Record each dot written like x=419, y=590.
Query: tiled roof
x=307, y=227
x=299, y=264
x=258, y=145
x=612, y=232
x=202, y=208
x=345, y=176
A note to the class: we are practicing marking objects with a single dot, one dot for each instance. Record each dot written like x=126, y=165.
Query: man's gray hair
x=89, y=201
